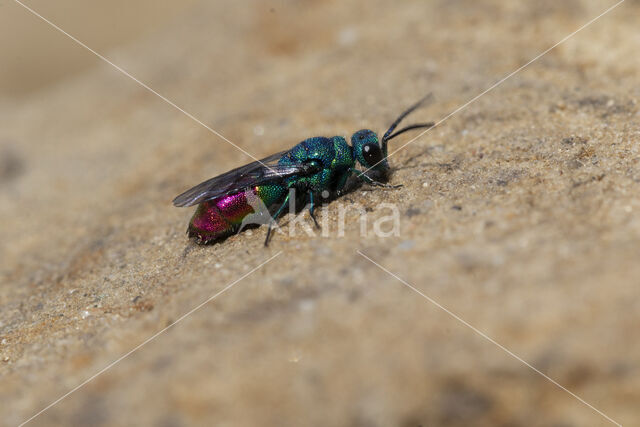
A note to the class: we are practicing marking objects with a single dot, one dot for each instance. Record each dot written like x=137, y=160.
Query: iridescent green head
x=368, y=151
x=372, y=153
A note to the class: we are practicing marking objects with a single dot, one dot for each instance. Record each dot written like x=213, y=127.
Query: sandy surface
x=34, y=56
x=520, y=214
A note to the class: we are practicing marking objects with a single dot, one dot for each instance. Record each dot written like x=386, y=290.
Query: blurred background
x=519, y=214
x=34, y=55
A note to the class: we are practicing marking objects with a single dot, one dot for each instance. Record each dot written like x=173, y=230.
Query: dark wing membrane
x=265, y=171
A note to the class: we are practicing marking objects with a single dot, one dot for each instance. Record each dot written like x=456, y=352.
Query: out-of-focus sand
x=520, y=214
x=35, y=56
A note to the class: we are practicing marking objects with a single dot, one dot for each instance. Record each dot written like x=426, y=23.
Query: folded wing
x=262, y=172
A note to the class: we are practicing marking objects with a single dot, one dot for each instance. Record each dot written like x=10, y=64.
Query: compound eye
x=372, y=154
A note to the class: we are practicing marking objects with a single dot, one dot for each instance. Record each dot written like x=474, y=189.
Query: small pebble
x=295, y=357
x=258, y=130
x=406, y=245
x=348, y=36
x=307, y=305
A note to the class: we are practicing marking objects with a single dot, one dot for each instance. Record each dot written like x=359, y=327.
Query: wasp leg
x=374, y=183
x=311, y=210
x=274, y=218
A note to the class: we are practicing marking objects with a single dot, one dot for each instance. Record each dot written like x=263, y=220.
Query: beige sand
x=520, y=214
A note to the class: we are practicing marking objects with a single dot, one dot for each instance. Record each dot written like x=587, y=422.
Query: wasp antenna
x=405, y=114
x=387, y=135
x=416, y=126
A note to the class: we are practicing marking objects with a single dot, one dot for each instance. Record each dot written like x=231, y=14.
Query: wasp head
x=369, y=153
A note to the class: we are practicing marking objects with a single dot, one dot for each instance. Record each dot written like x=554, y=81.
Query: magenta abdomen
x=219, y=218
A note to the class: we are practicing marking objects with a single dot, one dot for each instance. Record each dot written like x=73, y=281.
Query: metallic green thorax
x=333, y=156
